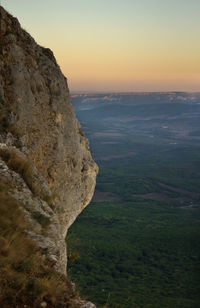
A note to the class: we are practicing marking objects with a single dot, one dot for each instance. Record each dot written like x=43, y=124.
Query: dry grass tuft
x=41, y=219
x=18, y=164
x=5, y=121
x=24, y=167
x=25, y=278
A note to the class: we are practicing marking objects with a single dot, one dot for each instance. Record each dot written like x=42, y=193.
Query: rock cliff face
x=43, y=151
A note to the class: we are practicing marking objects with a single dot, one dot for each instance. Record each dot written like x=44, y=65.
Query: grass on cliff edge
x=23, y=167
x=25, y=278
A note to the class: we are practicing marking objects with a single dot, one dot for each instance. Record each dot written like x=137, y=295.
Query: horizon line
x=127, y=92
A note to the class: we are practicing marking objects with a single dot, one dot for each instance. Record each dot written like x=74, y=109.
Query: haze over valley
x=142, y=228
x=146, y=134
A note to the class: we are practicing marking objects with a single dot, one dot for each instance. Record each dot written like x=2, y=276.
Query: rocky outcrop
x=43, y=153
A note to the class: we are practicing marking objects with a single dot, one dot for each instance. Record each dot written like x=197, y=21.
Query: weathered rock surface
x=44, y=153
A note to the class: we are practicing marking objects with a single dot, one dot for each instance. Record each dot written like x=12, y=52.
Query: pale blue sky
x=114, y=44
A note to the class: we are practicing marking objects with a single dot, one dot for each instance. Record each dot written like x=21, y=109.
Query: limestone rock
x=84, y=304
x=43, y=150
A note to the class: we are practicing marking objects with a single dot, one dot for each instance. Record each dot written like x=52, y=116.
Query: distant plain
x=138, y=242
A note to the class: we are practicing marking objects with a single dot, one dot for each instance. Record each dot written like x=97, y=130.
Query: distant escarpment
x=47, y=174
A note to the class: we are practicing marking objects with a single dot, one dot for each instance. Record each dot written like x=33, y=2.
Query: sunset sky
x=115, y=45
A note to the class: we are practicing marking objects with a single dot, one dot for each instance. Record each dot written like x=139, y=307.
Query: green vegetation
x=173, y=173
x=142, y=252
x=137, y=254
x=138, y=245
x=26, y=279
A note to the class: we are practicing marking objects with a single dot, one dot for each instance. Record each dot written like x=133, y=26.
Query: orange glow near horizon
x=112, y=45
x=132, y=73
